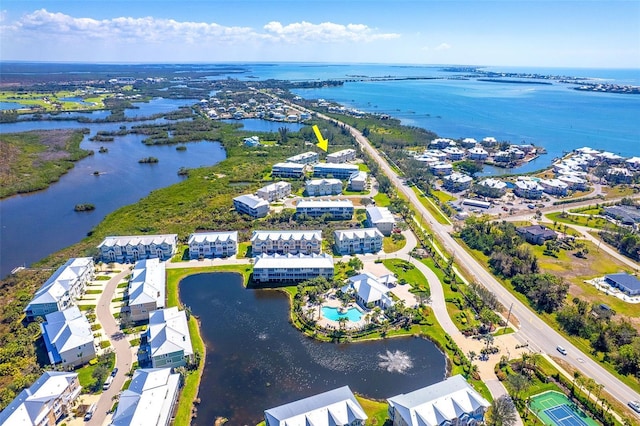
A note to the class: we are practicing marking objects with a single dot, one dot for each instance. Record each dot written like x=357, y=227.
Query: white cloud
x=149, y=29
x=443, y=46
x=42, y=23
x=326, y=32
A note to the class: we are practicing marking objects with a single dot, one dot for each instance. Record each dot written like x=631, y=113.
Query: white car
x=635, y=406
x=562, y=350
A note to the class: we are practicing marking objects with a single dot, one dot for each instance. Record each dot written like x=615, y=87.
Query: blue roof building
x=627, y=283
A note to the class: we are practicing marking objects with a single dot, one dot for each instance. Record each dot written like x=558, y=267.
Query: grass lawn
x=619, y=191
x=433, y=209
x=84, y=375
x=347, y=192
x=390, y=246
x=382, y=200
x=102, y=278
x=501, y=331
x=595, y=222
x=53, y=101
x=93, y=292
x=377, y=411
x=363, y=167
x=192, y=382
x=86, y=307
x=443, y=196
x=407, y=272
x=244, y=249
x=576, y=271
x=462, y=318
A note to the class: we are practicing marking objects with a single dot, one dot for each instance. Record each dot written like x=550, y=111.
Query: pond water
x=77, y=100
x=258, y=125
x=10, y=105
x=38, y=224
x=256, y=360
x=157, y=106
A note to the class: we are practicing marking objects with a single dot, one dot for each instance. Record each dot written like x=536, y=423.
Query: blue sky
x=594, y=34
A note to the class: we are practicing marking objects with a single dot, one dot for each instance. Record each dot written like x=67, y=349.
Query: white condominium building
x=251, y=205
x=275, y=191
x=137, y=247
x=381, y=218
x=59, y=291
x=147, y=289
x=213, y=244
x=351, y=241
x=341, y=156
x=283, y=242
x=319, y=187
x=292, y=267
x=337, y=209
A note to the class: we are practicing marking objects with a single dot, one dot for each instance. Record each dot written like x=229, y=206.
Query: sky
x=541, y=33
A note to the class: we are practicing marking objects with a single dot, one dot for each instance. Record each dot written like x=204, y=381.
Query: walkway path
x=119, y=344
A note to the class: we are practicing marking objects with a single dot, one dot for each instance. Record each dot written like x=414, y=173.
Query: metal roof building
x=625, y=282
x=335, y=407
x=150, y=399
x=451, y=400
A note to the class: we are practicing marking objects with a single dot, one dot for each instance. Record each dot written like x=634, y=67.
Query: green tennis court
x=555, y=409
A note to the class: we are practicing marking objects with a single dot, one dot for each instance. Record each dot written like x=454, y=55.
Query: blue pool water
x=352, y=314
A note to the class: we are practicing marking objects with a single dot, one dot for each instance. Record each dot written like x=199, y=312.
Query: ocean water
x=553, y=116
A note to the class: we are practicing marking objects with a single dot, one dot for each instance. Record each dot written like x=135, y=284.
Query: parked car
x=562, y=350
x=114, y=372
x=635, y=406
x=107, y=383
x=89, y=413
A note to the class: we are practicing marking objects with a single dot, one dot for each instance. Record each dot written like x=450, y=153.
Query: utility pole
x=508, y=317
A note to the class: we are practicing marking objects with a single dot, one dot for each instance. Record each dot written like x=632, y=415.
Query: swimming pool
x=352, y=314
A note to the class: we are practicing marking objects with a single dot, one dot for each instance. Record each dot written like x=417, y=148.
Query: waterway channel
x=35, y=225
x=256, y=360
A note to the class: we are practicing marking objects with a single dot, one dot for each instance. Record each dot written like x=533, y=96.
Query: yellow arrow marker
x=323, y=143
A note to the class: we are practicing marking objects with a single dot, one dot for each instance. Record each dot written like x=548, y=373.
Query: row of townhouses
x=320, y=170
x=450, y=402
x=153, y=392
x=146, y=290
x=59, y=292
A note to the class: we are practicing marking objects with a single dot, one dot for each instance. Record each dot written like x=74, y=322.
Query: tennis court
x=555, y=409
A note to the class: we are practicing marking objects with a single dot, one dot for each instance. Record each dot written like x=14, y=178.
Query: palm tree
x=320, y=299
x=576, y=380
x=590, y=385
x=599, y=387
x=502, y=412
x=342, y=322
x=518, y=383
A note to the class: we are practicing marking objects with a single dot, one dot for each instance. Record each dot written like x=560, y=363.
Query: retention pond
x=256, y=360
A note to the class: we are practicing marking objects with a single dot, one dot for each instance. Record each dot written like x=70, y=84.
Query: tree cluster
x=619, y=341
x=625, y=240
x=547, y=292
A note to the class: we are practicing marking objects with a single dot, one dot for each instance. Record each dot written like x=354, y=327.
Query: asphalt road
x=533, y=330
x=120, y=346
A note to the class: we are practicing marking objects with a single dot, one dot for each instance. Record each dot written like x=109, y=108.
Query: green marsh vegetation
x=31, y=161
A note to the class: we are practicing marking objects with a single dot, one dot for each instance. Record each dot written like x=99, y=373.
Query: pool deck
x=333, y=302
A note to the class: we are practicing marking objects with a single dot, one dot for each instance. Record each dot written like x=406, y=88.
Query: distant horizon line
x=400, y=64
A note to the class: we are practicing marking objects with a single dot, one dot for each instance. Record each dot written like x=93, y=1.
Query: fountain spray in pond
x=395, y=362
